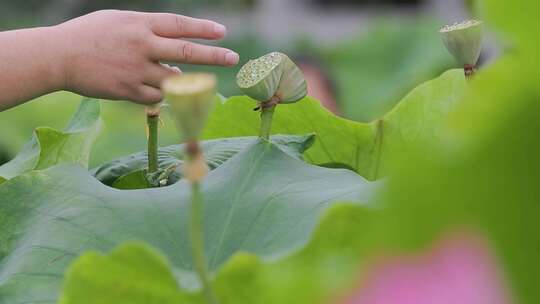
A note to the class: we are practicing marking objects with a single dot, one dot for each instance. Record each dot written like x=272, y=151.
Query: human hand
x=116, y=54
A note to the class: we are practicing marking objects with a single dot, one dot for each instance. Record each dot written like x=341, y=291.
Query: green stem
x=266, y=121
x=197, y=242
x=152, y=121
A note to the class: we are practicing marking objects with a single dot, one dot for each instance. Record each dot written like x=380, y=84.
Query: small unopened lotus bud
x=273, y=75
x=190, y=98
x=464, y=41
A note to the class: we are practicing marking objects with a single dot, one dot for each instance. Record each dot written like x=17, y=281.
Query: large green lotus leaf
x=144, y=274
x=518, y=21
x=52, y=110
x=362, y=147
x=262, y=201
x=129, y=172
x=321, y=272
x=49, y=147
x=324, y=269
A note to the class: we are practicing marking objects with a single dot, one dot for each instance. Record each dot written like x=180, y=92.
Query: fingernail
x=219, y=29
x=231, y=58
x=172, y=68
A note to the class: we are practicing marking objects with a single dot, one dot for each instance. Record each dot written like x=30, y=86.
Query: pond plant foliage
x=293, y=204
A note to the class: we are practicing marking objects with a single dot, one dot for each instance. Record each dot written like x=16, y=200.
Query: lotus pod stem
x=267, y=112
x=152, y=124
x=195, y=171
x=197, y=242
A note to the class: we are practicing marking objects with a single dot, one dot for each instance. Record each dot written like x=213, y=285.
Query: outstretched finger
x=178, y=26
x=165, y=49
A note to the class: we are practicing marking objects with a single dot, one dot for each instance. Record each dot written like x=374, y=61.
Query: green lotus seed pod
x=272, y=75
x=190, y=97
x=464, y=41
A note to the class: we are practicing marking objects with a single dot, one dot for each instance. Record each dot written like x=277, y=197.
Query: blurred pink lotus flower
x=459, y=270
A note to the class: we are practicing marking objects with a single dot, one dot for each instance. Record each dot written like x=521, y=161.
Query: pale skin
x=106, y=54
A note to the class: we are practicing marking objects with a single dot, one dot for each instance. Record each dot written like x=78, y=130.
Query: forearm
x=30, y=65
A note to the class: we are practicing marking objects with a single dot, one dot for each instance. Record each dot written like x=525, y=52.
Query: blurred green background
x=368, y=54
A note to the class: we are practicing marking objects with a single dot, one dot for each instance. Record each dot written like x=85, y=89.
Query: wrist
x=55, y=56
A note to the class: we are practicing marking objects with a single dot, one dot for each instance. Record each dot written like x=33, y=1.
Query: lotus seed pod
x=464, y=41
x=272, y=75
x=190, y=98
